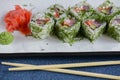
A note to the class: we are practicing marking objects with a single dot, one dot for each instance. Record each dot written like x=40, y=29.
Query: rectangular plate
x=27, y=45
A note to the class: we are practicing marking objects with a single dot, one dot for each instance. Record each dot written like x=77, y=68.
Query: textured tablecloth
x=43, y=75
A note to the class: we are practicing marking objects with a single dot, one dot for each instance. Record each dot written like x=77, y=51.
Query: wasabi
x=6, y=38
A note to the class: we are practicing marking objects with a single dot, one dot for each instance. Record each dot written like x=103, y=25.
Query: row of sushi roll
x=80, y=19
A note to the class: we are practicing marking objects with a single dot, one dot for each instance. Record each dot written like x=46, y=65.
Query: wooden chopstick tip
x=2, y=62
x=5, y=63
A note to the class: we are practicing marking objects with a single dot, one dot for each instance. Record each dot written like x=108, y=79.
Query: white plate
x=23, y=44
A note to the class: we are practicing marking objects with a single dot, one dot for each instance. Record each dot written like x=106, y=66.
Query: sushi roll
x=114, y=28
x=41, y=25
x=56, y=11
x=108, y=10
x=93, y=28
x=67, y=29
x=81, y=10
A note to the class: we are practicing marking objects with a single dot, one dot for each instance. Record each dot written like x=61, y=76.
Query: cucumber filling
x=93, y=24
x=106, y=10
x=41, y=21
x=68, y=22
x=57, y=11
x=81, y=8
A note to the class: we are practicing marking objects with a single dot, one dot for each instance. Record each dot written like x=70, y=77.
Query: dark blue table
x=43, y=75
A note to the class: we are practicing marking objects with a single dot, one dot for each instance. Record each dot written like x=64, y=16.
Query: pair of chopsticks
x=59, y=68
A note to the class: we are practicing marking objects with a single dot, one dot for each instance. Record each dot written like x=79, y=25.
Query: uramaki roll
x=41, y=25
x=114, y=28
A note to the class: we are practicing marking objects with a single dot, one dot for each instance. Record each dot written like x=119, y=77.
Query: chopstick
x=82, y=73
x=88, y=64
